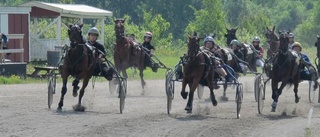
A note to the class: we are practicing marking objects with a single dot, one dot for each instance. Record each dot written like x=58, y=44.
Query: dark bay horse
x=246, y=49
x=126, y=54
x=196, y=71
x=273, y=42
x=79, y=62
x=286, y=69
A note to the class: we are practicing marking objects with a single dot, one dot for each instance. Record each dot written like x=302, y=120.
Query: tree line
x=172, y=20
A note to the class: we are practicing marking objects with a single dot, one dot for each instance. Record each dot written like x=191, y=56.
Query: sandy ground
x=24, y=112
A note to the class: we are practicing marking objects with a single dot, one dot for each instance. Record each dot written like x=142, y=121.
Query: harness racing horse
x=286, y=69
x=126, y=54
x=228, y=58
x=247, y=50
x=273, y=42
x=79, y=62
x=196, y=71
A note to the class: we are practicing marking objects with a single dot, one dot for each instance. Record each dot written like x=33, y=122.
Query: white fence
x=39, y=48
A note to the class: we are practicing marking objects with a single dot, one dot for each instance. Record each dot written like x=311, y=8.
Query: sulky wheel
x=312, y=91
x=200, y=90
x=257, y=82
x=169, y=89
x=239, y=98
x=261, y=97
x=122, y=93
x=51, y=90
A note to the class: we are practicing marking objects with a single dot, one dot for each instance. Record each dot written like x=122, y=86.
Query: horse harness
x=87, y=50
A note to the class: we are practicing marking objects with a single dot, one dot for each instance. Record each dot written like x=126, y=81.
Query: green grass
x=169, y=60
x=168, y=57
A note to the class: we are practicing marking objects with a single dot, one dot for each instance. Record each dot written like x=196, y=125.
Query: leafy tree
x=209, y=19
x=307, y=31
x=159, y=28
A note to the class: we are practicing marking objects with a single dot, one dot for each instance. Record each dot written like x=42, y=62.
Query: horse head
x=272, y=40
x=271, y=35
x=231, y=35
x=284, y=41
x=193, y=45
x=75, y=34
x=119, y=27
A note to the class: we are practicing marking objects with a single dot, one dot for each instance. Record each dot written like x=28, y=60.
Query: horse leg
x=124, y=73
x=143, y=83
x=275, y=95
x=63, y=91
x=210, y=85
x=183, y=92
x=225, y=85
x=192, y=87
x=75, y=87
x=78, y=107
x=253, y=63
x=295, y=89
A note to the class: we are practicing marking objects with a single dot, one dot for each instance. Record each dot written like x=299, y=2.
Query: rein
x=189, y=58
x=78, y=59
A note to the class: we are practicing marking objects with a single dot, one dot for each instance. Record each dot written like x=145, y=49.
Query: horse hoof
x=273, y=109
x=59, y=109
x=214, y=102
x=297, y=99
x=188, y=109
x=75, y=94
x=184, y=95
x=143, y=84
x=79, y=108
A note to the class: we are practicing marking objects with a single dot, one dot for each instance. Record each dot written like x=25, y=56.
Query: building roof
x=70, y=9
x=17, y=10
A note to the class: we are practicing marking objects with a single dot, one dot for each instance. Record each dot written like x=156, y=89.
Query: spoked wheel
x=261, y=97
x=200, y=91
x=312, y=91
x=122, y=93
x=257, y=82
x=169, y=89
x=51, y=90
x=239, y=98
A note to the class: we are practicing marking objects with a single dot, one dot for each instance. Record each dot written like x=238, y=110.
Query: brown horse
x=79, y=62
x=196, y=72
x=273, y=42
x=126, y=54
x=286, y=69
x=247, y=50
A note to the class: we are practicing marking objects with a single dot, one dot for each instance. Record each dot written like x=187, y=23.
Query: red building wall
x=18, y=24
x=43, y=13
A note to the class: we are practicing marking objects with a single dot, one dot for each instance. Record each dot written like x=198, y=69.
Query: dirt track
x=24, y=112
